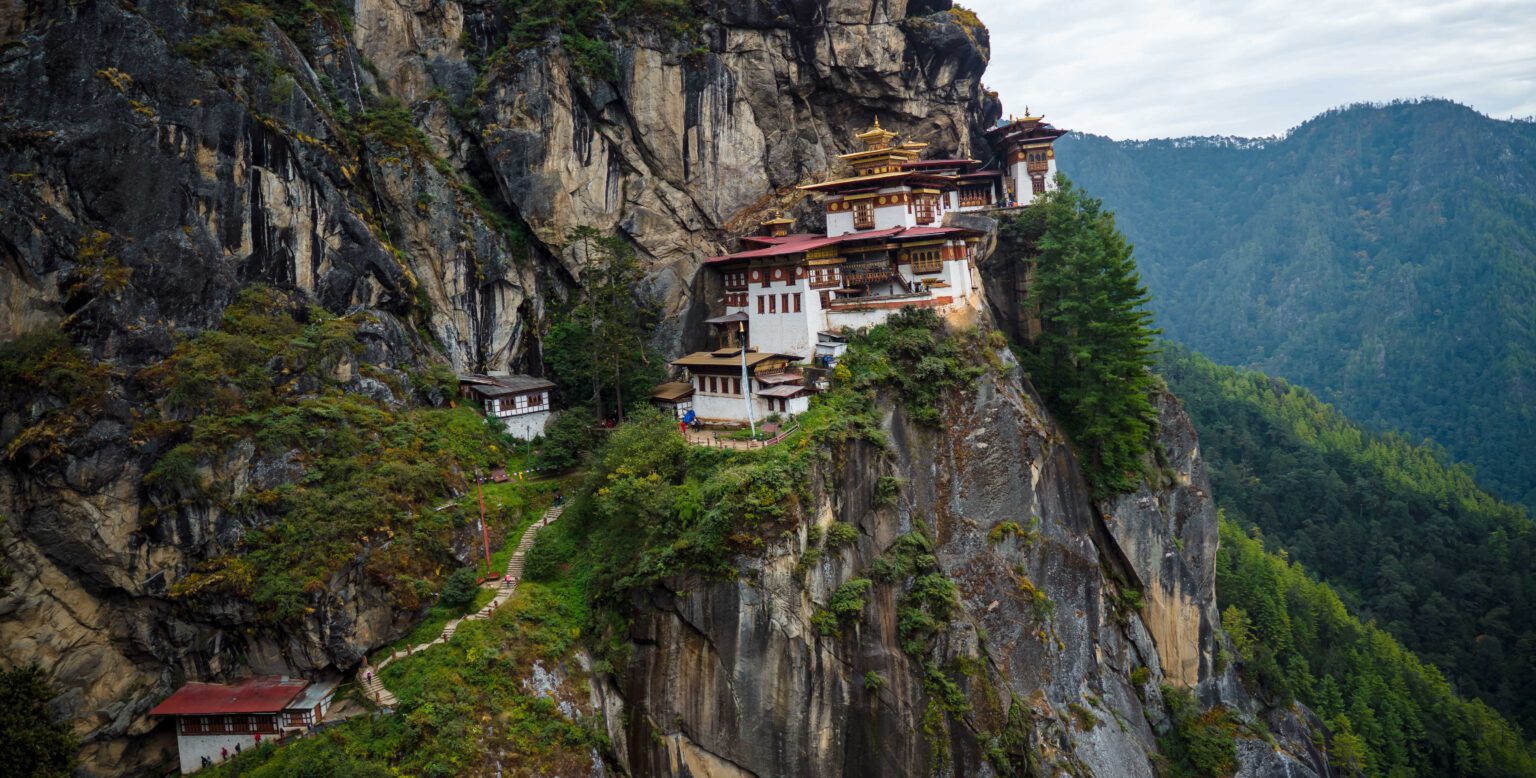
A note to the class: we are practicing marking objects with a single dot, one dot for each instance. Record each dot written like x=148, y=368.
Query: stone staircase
x=373, y=687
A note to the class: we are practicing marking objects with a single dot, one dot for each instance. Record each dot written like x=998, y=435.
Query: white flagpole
x=746, y=383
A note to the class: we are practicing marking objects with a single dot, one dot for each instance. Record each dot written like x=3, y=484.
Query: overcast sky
x=1156, y=68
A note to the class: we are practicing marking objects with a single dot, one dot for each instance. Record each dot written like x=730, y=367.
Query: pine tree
x=597, y=348
x=1092, y=357
x=31, y=742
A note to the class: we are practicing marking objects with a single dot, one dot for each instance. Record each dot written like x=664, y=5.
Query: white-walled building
x=520, y=402
x=725, y=381
x=216, y=721
x=885, y=248
x=1023, y=145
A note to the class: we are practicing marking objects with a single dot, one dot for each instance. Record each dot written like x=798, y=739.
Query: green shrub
x=1086, y=721
x=1140, y=676
x=1197, y=744
x=845, y=604
x=841, y=533
x=873, y=681
x=460, y=589
x=566, y=439
x=32, y=741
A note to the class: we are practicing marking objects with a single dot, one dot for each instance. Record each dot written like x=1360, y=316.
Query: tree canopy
x=1092, y=356
x=31, y=742
x=1406, y=539
x=597, y=347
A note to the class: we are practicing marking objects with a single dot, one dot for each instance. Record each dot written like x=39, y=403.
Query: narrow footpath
x=368, y=676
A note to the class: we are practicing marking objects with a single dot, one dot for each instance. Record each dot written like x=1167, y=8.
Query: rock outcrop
x=413, y=162
x=409, y=160
x=1058, y=663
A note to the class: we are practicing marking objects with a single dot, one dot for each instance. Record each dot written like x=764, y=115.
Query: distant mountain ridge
x=1381, y=255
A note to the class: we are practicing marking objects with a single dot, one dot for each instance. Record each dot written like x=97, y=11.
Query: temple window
x=924, y=208
x=927, y=261
x=863, y=215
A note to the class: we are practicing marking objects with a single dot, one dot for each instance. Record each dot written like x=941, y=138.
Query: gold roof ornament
x=875, y=138
x=780, y=219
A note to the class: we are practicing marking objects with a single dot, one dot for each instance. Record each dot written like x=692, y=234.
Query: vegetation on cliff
x=654, y=507
x=31, y=742
x=467, y=706
x=1091, y=360
x=1405, y=538
x=597, y=347
x=359, y=475
x=1382, y=256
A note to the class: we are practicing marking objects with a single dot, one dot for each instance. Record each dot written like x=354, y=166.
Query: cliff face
x=401, y=161
x=394, y=158
x=1057, y=667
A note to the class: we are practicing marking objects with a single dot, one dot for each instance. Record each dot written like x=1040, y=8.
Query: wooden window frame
x=927, y=260
x=863, y=214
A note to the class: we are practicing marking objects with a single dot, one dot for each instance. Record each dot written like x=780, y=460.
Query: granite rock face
x=398, y=162
x=733, y=679
x=383, y=161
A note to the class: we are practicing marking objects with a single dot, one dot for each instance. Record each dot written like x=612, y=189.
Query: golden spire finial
x=877, y=121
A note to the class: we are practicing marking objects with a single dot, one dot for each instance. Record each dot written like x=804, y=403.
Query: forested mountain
x=1384, y=256
x=1407, y=540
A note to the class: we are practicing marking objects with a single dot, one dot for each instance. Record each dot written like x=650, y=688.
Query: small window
x=759, y=305
x=773, y=304
x=797, y=302
x=863, y=215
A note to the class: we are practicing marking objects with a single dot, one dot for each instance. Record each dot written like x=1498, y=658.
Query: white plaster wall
x=1022, y=186
x=1050, y=174
x=889, y=216
x=724, y=406
x=526, y=426
x=858, y=319
x=784, y=333
x=958, y=273
x=839, y=223
x=194, y=747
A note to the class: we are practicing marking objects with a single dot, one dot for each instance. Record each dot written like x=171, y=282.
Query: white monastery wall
x=526, y=426
x=194, y=747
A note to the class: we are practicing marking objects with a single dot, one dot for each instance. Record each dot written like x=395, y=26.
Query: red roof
x=263, y=694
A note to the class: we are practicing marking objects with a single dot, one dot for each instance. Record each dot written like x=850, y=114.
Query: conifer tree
x=1092, y=357
x=597, y=349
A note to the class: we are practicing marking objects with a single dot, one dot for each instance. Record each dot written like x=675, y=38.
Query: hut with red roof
x=216, y=720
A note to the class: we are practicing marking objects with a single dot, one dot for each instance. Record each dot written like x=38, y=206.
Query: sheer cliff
x=411, y=166
x=1071, y=619
x=342, y=198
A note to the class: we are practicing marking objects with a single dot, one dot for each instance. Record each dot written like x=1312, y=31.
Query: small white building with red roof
x=216, y=720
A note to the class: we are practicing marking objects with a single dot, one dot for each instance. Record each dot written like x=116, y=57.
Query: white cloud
x=1159, y=68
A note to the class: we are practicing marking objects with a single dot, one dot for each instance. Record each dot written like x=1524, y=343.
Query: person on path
x=237, y=749
x=258, y=738
x=224, y=755
x=370, y=676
